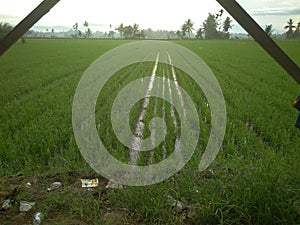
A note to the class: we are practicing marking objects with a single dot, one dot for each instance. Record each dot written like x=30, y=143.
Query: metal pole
x=261, y=37
x=26, y=24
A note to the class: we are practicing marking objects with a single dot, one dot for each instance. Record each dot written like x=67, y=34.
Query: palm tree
x=5, y=28
x=290, y=28
x=128, y=32
x=297, y=31
x=111, y=34
x=187, y=27
x=88, y=33
x=136, y=30
x=75, y=27
x=86, y=25
x=120, y=28
x=269, y=29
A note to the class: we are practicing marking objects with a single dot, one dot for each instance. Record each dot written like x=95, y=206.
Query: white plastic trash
x=26, y=206
x=37, y=218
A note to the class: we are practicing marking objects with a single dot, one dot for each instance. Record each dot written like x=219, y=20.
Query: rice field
x=253, y=180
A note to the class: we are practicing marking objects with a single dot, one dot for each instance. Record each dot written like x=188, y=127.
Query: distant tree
x=75, y=27
x=200, y=33
x=5, y=28
x=290, y=28
x=227, y=25
x=111, y=34
x=120, y=28
x=136, y=31
x=297, y=31
x=88, y=33
x=179, y=34
x=210, y=27
x=219, y=18
x=142, y=34
x=269, y=29
x=171, y=34
x=214, y=28
x=86, y=24
x=183, y=30
x=187, y=27
x=128, y=32
x=132, y=32
x=79, y=33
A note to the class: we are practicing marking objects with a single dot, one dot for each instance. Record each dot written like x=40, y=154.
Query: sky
x=155, y=14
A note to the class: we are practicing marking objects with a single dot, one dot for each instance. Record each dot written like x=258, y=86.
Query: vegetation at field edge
x=254, y=179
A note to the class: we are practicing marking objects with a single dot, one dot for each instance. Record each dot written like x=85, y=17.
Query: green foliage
x=187, y=27
x=200, y=33
x=4, y=29
x=254, y=179
x=214, y=28
x=131, y=32
x=210, y=27
x=269, y=29
x=290, y=26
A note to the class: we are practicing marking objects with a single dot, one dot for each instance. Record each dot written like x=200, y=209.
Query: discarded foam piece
x=54, y=186
x=37, y=218
x=113, y=185
x=26, y=206
x=89, y=183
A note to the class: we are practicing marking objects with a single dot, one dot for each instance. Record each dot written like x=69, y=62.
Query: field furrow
x=253, y=180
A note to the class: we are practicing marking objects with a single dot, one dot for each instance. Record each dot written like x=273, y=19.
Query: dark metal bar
x=26, y=24
x=260, y=36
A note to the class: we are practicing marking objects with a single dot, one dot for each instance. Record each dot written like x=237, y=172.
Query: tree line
x=214, y=27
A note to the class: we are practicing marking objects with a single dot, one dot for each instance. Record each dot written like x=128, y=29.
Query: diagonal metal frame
x=261, y=37
x=42, y=9
x=234, y=9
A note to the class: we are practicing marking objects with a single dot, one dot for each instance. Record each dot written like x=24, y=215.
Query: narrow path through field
x=166, y=88
x=153, y=130
x=135, y=144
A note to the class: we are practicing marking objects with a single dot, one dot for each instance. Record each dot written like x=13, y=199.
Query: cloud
x=276, y=12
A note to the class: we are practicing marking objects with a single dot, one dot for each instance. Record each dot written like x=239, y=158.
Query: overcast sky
x=155, y=14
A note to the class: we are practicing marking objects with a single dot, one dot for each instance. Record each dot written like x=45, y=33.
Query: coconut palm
x=269, y=29
x=297, y=31
x=75, y=27
x=187, y=27
x=136, y=31
x=120, y=28
x=290, y=28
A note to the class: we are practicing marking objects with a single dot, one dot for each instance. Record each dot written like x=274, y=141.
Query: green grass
x=254, y=180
